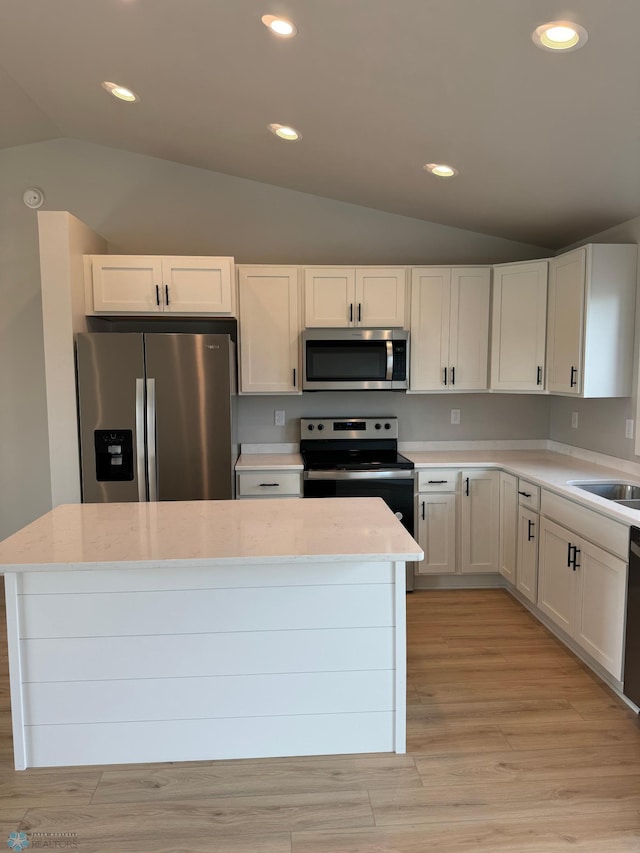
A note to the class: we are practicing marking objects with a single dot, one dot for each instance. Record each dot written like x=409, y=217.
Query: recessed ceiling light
x=279, y=26
x=440, y=170
x=285, y=132
x=559, y=35
x=120, y=92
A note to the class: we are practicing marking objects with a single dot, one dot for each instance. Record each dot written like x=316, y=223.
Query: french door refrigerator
x=155, y=416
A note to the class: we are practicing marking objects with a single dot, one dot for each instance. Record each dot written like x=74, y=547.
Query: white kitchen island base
x=219, y=658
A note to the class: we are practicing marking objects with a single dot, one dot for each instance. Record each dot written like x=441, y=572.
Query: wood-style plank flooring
x=513, y=745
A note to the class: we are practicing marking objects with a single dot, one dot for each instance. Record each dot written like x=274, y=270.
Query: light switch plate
x=455, y=416
x=279, y=417
x=628, y=428
x=574, y=420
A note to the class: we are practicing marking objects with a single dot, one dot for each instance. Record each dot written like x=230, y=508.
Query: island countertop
x=200, y=533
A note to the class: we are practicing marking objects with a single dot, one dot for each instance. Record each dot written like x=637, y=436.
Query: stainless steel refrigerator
x=155, y=414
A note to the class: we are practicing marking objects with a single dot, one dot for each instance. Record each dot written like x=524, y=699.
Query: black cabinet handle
x=539, y=376
x=157, y=294
x=569, y=547
x=166, y=292
x=359, y=312
x=525, y=494
x=575, y=564
x=269, y=484
x=453, y=376
x=423, y=516
x=530, y=535
x=445, y=375
x=351, y=312
x=294, y=377
x=467, y=487
x=574, y=377
x=433, y=482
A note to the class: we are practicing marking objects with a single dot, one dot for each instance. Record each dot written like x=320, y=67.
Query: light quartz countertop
x=268, y=461
x=549, y=470
x=207, y=533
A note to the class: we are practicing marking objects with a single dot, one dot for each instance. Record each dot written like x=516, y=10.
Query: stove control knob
x=378, y=426
x=387, y=426
x=310, y=426
x=320, y=426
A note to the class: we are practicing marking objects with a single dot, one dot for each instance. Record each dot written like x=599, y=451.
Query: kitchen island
x=181, y=631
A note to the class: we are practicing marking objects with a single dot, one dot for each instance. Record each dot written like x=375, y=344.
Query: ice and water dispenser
x=114, y=454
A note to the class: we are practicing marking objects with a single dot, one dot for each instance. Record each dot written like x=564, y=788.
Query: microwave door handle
x=389, y=375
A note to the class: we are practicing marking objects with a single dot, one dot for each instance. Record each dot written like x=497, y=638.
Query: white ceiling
x=547, y=145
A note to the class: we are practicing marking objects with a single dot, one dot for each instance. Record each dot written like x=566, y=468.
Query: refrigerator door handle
x=140, y=472
x=151, y=440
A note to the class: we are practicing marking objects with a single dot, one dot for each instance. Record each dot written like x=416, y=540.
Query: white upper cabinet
x=591, y=321
x=519, y=327
x=449, y=328
x=152, y=284
x=269, y=330
x=337, y=297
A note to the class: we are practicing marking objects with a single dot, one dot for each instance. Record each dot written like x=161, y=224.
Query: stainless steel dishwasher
x=631, y=677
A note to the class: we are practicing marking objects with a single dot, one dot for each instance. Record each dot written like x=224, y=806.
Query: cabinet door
x=269, y=330
x=601, y=581
x=437, y=534
x=519, y=327
x=469, y=341
x=508, y=526
x=127, y=283
x=479, y=522
x=198, y=285
x=430, y=304
x=556, y=581
x=566, y=322
x=380, y=297
x=329, y=297
x=527, y=563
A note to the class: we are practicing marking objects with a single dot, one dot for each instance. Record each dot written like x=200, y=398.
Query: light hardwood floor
x=513, y=745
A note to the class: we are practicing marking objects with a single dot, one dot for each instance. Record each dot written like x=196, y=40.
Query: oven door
x=397, y=492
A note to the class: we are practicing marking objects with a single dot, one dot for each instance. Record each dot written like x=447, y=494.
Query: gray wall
x=601, y=423
x=423, y=417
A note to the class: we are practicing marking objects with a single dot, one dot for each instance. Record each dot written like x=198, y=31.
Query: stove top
x=351, y=444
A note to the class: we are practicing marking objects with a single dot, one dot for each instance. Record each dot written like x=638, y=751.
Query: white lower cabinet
x=527, y=561
x=437, y=533
x=458, y=521
x=479, y=521
x=508, y=526
x=276, y=483
x=582, y=589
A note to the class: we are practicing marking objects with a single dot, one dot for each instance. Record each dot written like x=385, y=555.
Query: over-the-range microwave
x=355, y=360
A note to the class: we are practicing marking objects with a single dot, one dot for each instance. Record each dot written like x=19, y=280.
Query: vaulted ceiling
x=547, y=145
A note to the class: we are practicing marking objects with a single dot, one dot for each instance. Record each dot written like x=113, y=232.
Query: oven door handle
x=400, y=474
x=389, y=375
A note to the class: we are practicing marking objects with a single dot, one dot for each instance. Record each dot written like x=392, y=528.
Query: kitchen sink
x=626, y=494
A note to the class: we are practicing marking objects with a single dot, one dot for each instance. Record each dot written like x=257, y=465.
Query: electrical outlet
x=628, y=428
x=574, y=420
x=455, y=416
x=279, y=417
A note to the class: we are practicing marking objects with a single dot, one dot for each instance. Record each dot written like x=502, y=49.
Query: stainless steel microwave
x=355, y=360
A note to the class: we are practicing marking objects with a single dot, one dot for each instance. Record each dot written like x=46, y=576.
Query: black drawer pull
x=525, y=494
x=433, y=482
x=269, y=484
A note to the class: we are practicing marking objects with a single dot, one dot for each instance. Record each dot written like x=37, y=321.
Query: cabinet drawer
x=528, y=495
x=605, y=532
x=438, y=480
x=269, y=483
